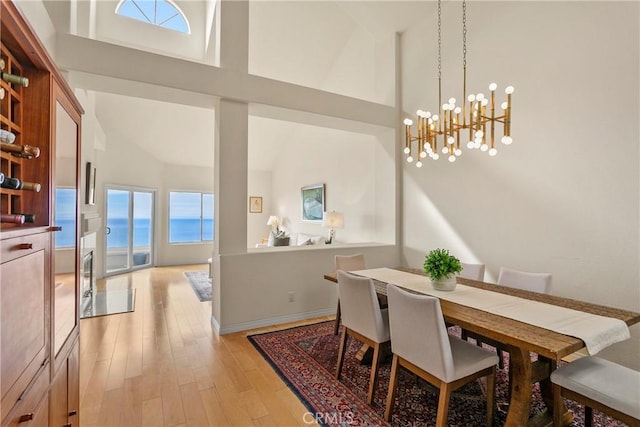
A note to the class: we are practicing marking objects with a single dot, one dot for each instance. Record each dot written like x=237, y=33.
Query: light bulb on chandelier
x=481, y=120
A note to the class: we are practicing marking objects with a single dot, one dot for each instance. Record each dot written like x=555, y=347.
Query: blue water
x=181, y=230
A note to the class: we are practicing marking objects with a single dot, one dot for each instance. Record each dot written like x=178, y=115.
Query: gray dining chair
x=363, y=320
x=430, y=352
x=472, y=271
x=346, y=263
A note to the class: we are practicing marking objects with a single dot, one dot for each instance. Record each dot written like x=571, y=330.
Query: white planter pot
x=444, y=284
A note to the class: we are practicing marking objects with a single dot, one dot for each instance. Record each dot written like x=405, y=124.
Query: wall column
x=231, y=149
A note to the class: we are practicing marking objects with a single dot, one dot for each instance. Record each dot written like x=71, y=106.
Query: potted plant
x=441, y=267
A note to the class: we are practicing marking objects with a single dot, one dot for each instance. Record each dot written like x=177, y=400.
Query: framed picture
x=255, y=204
x=312, y=203
x=90, y=188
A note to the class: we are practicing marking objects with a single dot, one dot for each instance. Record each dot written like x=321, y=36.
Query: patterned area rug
x=200, y=283
x=305, y=358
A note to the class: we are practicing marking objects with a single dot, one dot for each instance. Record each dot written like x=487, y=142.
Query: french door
x=129, y=243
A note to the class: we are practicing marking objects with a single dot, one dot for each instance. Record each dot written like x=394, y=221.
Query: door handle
x=108, y=230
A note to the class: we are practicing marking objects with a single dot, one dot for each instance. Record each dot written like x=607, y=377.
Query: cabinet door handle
x=55, y=228
x=26, y=417
x=73, y=412
x=24, y=246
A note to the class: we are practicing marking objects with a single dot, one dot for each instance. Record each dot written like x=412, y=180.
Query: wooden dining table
x=520, y=339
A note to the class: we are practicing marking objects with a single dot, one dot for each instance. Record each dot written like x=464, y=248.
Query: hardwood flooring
x=164, y=365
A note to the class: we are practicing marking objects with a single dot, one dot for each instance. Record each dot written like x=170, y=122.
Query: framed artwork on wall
x=313, y=203
x=90, y=187
x=255, y=204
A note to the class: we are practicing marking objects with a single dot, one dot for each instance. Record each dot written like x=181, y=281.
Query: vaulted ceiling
x=294, y=41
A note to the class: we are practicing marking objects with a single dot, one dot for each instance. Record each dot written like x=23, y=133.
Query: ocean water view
x=181, y=230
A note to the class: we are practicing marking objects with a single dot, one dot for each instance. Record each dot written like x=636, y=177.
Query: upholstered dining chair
x=535, y=282
x=598, y=384
x=444, y=361
x=472, y=271
x=346, y=263
x=362, y=319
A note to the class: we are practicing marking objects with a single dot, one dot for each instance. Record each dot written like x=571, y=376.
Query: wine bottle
x=1, y=93
x=18, y=184
x=1, y=177
x=12, y=218
x=7, y=137
x=12, y=78
x=24, y=151
x=28, y=218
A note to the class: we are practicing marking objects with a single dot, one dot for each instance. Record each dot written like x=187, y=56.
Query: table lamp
x=332, y=220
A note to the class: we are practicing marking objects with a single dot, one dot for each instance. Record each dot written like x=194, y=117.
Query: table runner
x=596, y=331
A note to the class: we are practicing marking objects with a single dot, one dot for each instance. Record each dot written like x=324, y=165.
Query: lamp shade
x=333, y=220
x=273, y=220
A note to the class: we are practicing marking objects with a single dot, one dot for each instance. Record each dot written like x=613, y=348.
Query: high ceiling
x=289, y=26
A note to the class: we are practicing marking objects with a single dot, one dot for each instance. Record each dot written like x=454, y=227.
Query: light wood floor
x=164, y=365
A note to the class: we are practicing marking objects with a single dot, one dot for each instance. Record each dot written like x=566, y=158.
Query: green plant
x=440, y=264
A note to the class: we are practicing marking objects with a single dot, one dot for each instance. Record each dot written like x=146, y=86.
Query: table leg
x=520, y=404
x=546, y=390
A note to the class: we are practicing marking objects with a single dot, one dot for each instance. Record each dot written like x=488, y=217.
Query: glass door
x=129, y=240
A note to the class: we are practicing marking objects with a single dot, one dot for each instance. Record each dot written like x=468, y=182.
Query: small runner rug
x=305, y=358
x=200, y=283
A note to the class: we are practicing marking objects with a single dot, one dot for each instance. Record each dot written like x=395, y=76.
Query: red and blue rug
x=305, y=358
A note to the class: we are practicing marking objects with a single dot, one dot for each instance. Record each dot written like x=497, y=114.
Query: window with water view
x=190, y=217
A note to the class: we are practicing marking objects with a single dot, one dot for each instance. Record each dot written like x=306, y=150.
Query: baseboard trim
x=243, y=326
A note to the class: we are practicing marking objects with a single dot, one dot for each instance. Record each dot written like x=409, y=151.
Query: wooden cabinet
x=39, y=323
x=24, y=307
x=65, y=392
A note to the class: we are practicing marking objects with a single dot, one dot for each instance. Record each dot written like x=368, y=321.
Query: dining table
x=520, y=339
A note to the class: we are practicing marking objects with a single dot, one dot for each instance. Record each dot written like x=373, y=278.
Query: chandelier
x=476, y=115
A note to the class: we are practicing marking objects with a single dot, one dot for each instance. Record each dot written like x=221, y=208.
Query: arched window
x=163, y=13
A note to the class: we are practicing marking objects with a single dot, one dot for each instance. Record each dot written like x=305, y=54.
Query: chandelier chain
x=464, y=33
x=439, y=40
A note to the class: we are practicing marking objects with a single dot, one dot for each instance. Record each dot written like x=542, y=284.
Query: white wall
x=263, y=280
x=564, y=197
x=259, y=186
x=337, y=56
x=346, y=163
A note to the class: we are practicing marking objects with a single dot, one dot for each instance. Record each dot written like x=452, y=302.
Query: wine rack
x=14, y=110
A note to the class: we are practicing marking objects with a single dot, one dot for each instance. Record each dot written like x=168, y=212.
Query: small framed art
x=255, y=204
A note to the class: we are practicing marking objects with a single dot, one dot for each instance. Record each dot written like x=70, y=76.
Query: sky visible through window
x=162, y=13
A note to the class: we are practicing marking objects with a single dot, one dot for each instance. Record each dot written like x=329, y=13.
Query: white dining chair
x=598, y=384
x=535, y=282
x=346, y=263
x=420, y=343
x=472, y=271
x=363, y=320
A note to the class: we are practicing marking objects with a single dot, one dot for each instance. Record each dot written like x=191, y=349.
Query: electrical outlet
x=292, y=296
